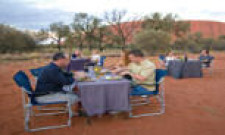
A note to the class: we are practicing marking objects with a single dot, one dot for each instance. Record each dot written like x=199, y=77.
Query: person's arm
x=138, y=77
x=57, y=76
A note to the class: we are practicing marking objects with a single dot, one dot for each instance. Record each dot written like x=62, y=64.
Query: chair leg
x=160, y=99
x=144, y=101
x=47, y=127
x=57, y=111
x=70, y=113
x=162, y=104
x=211, y=71
x=28, y=115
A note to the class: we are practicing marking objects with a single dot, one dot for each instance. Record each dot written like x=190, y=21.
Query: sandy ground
x=193, y=107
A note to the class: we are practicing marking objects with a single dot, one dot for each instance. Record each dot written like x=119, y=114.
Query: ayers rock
x=209, y=29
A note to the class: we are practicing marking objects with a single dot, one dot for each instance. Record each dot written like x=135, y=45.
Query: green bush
x=219, y=45
x=151, y=40
x=12, y=40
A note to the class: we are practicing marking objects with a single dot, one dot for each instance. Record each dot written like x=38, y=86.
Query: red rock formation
x=209, y=29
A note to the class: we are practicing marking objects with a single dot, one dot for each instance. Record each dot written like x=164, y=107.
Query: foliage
x=152, y=40
x=156, y=32
x=12, y=40
x=121, y=27
x=61, y=30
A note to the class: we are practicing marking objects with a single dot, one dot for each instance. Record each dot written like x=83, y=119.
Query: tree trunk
x=123, y=44
x=81, y=46
x=59, y=44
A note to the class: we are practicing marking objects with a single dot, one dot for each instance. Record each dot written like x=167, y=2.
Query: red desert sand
x=194, y=106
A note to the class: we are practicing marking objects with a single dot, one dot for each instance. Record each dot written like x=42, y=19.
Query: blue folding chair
x=36, y=72
x=162, y=57
x=102, y=61
x=162, y=60
x=158, y=93
x=29, y=102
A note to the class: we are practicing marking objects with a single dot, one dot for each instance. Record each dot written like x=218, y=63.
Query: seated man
x=53, y=83
x=205, y=58
x=76, y=54
x=142, y=71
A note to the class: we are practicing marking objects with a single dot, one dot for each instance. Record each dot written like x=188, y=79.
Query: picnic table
x=100, y=97
x=77, y=64
x=185, y=69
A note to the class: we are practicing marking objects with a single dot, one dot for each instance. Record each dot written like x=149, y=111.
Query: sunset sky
x=36, y=14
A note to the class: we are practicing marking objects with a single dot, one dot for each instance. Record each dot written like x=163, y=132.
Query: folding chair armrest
x=41, y=93
x=161, y=81
x=150, y=84
x=147, y=84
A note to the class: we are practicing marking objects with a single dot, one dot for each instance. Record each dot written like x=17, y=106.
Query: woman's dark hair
x=58, y=56
x=207, y=51
x=136, y=53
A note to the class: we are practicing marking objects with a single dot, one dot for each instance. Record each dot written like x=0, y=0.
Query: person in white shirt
x=95, y=56
x=170, y=57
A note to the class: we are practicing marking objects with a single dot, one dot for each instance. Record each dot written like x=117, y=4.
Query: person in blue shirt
x=205, y=58
x=53, y=83
x=76, y=54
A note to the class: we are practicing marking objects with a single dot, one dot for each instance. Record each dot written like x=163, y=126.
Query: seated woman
x=205, y=58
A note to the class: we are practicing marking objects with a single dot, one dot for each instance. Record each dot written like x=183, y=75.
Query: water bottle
x=91, y=73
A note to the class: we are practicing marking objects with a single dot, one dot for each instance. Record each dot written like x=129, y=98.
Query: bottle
x=91, y=73
x=185, y=58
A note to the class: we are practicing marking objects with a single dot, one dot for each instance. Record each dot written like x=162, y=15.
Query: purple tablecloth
x=77, y=64
x=100, y=97
x=181, y=69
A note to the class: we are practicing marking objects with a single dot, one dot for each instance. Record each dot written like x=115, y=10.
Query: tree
x=91, y=30
x=219, y=44
x=158, y=22
x=13, y=40
x=102, y=33
x=152, y=40
x=194, y=43
x=61, y=30
x=181, y=29
x=221, y=37
x=41, y=35
x=84, y=27
x=122, y=28
x=69, y=42
x=166, y=23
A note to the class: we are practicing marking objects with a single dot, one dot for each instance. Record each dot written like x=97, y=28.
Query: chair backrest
x=36, y=72
x=23, y=81
x=162, y=57
x=160, y=75
x=102, y=60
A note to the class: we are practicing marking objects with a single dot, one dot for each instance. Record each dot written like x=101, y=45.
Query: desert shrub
x=12, y=40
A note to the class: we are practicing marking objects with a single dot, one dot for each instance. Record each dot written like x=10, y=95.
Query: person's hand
x=125, y=73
